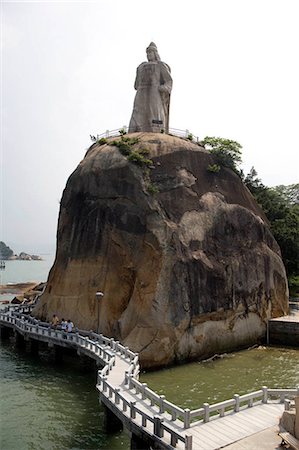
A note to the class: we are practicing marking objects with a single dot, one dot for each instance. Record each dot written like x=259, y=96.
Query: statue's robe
x=151, y=106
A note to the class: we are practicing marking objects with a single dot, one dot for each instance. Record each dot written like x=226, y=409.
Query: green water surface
x=50, y=406
x=190, y=385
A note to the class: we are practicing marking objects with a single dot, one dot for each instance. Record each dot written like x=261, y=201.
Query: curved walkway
x=144, y=412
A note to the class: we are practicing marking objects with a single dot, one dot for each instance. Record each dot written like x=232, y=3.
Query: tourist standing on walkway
x=63, y=325
x=55, y=321
x=69, y=327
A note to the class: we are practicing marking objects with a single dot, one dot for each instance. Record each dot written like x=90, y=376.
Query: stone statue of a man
x=153, y=84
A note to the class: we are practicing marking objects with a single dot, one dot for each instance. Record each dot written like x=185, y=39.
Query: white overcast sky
x=68, y=69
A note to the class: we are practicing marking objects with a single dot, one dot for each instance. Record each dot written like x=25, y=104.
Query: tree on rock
x=227, y=152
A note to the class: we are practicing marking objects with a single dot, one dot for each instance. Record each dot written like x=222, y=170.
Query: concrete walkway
x=264, y=440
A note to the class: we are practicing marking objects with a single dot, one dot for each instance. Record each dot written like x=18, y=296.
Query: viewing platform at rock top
x=151, y=419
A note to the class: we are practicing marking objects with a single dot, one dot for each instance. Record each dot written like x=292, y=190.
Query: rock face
x=187, y=272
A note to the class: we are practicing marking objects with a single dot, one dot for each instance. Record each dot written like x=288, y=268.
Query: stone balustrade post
x=110, y=392
x=265, y=394
x=131, y=385
x=144, y=386
x=187, y=418
x=287, y=405
x=188, y=442
x=112, y=344
x=99, y=378
x=143, y=420
x=173, y=440
x=206, y=413
x=158, y=431
x=104, y=379
x=237, y=402
x=126, y=378
x=282, y=397
x=133, y=410
x=117, y=396
x=161, y=404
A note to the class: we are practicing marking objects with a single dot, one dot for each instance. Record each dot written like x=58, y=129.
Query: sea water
x=47, y=406
x=18, y=271
x=43, y=405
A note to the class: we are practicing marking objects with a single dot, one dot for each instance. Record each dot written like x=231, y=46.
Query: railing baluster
x=144, y=386
x=287, y=405
x=265, y=394
x=173, y=440
x=161, y=404
x=188, y=442
x=206, y=414
x=157, y=426
x=187, y=418
x=237, y=404
x=133, y=410
x=117, y=396
x=143, y=420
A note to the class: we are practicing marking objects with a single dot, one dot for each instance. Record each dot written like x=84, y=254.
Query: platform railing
x=108, y=349
x=184, y=134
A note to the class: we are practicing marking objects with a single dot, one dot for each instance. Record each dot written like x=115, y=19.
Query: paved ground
x=264, y=440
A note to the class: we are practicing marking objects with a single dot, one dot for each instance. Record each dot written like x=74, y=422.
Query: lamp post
x=99, y=295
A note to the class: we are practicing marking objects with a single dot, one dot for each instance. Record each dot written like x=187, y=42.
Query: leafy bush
x=227, y=152
x=125, y=145
x=213, y=168
x=190, y=137
x=102, y=141
x=143, y=151
x=152, y=189
x=138, y=158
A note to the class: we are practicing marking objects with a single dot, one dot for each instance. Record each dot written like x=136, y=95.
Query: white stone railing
x=184, y=134
x=107, y=350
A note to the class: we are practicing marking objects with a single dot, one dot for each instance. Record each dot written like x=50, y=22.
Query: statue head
x=152, y=52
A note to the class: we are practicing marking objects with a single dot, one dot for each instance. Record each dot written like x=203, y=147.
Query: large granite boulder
x=186, y=272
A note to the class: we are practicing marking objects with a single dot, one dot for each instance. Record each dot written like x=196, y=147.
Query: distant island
x=6, y=253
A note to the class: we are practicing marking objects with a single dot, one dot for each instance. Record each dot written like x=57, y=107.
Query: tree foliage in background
x=281, y=206
x=5, y=251
x=227, y=152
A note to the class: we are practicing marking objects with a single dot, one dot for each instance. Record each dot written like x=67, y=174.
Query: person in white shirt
x=63, y=325
x=69, y=326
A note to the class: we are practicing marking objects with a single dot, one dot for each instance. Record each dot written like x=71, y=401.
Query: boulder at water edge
x=185, y=257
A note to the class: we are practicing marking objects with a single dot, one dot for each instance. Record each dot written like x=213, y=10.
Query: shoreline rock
x=17, y=288
x=24, y=257
x=185, y=257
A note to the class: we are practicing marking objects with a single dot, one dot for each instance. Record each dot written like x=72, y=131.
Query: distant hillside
x=8, y=253
x=5, y=251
